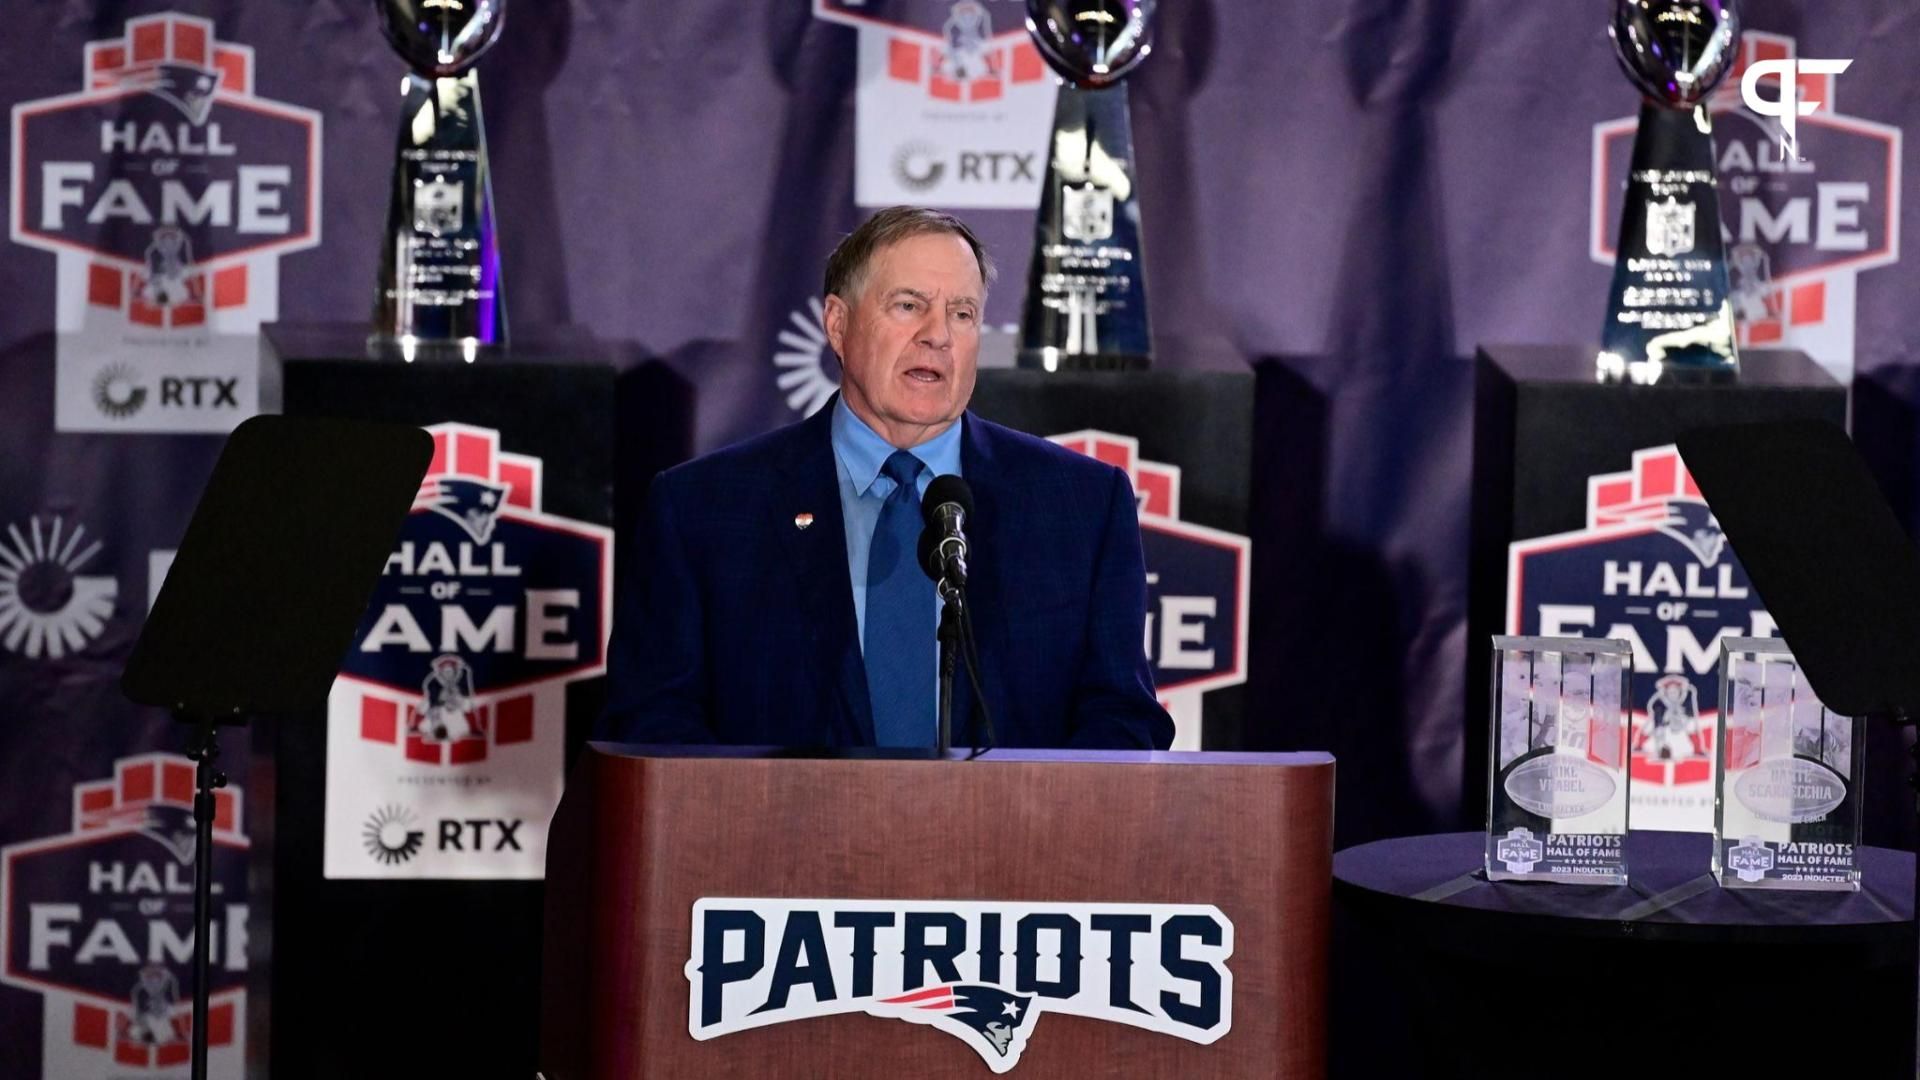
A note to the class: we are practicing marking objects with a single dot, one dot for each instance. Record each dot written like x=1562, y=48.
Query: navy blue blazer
x=733, y=625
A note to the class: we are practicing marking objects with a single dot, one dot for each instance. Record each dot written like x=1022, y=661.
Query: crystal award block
x=1786, y=805
x=1557, y=804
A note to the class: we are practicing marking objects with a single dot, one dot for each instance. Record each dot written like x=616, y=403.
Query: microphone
x=948, y=508
x=943, y=544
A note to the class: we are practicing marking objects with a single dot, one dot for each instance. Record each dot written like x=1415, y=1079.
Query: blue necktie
x=900, y=644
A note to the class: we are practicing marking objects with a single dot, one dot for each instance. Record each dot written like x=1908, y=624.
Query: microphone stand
x=952, y=598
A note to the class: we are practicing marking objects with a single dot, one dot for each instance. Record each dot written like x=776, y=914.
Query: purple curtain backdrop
x=1351, y=194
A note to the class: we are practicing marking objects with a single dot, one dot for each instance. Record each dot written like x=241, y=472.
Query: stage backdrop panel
x=1425, y=177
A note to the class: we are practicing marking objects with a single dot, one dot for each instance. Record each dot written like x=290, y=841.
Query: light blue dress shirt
x=859, y=452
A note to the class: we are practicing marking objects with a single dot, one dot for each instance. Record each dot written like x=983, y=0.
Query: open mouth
x=924, y=375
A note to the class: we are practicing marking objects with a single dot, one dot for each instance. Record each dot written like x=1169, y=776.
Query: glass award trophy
x=1786, y=805
x=1670, y=312
x=440, y=288
x=1086, y=302
x=1557, y=804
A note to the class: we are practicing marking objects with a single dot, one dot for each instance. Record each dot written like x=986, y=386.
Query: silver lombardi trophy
x=440, y=287
x=1086, y=302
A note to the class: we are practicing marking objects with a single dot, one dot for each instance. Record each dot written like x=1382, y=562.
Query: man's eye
x=963, y=315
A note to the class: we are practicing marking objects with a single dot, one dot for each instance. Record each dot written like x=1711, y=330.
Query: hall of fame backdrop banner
x=1358, y=190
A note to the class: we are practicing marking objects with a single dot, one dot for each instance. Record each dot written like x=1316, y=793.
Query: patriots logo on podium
x=990, y=1019
x=981, y=971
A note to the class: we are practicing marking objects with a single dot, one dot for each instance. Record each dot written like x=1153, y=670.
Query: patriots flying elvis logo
x=993, y=1017
x=981, y=972
x=467, y=502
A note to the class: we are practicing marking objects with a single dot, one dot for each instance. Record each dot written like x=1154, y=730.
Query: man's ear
x=836, y=315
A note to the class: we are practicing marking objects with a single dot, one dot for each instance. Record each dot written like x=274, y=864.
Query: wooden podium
x=643, y=834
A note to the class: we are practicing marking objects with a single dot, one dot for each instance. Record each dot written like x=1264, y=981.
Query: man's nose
x=935, y=333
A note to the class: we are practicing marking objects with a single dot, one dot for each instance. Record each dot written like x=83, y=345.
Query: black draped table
x=1439, y=972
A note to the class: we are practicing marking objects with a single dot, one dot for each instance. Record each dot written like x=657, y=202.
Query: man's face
x=909, y=343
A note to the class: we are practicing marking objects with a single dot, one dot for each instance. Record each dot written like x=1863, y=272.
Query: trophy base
x=1052, y=359
x=1613, y=370
x=410, y=349
x=1733, y=881
x=1611, y=878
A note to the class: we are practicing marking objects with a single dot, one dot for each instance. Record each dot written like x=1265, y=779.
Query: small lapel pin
x=801, y=521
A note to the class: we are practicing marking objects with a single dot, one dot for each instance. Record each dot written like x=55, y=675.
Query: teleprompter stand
x=263, y=597
x=1828, y=557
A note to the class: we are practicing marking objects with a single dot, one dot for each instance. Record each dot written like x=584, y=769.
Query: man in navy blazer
x=775, y=597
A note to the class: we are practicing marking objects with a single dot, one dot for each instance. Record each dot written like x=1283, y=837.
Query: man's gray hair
x=847, y=266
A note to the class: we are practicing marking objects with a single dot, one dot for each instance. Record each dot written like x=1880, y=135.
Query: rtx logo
x=200, y=391
x=994, y=166
x=917, y=166
x=120, y=392
x=392, y=834
x=920, y=166
x=479, y=834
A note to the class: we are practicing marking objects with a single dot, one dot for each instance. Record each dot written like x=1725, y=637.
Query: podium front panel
x=1150, y=844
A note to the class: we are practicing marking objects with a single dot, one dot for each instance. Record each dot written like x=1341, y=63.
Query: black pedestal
x=1186, y=439
x=446, y=972
x=1886, y=429
x=1672, y=976
x=1544, y=430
